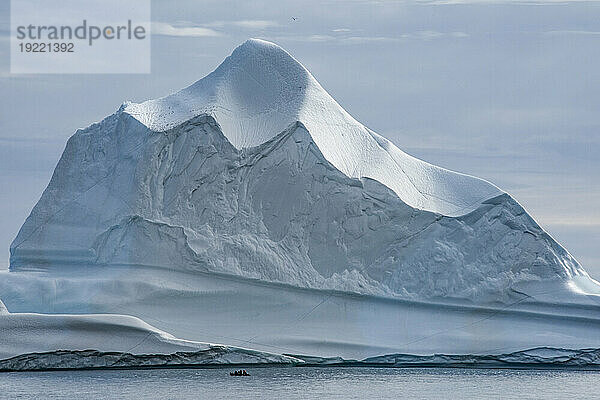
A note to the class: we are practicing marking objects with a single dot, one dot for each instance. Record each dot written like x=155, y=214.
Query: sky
x=504, y=90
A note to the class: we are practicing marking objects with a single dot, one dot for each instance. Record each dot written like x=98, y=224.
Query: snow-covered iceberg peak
x=254, y=94
x=260, y=90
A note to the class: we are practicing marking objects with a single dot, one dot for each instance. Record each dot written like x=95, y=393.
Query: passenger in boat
x=241, y=372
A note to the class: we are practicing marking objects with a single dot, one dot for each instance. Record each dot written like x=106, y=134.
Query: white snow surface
x=260, y=90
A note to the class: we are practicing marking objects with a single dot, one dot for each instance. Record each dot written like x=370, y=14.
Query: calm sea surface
x=302, y=383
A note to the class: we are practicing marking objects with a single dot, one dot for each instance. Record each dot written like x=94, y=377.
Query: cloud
x=305, y=38
x=419, y=35
x=569, y=220
x=469, y=2
x=512, y=2
x=244, y=23
x=320, y=38
x=574, y=32
x=211, y=29
x=342, y=36
x=166, y=29
x=426, y=35
x=370, y=39
x=255, y=24
x=41, y=140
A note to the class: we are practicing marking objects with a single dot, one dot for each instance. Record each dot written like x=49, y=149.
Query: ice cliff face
x=256, y=171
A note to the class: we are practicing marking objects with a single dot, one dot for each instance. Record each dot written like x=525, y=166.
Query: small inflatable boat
x=241, y=372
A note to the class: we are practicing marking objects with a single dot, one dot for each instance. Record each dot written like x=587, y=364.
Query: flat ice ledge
x=539, y=357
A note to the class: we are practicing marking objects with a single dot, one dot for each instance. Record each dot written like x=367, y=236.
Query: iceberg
x=251, y=209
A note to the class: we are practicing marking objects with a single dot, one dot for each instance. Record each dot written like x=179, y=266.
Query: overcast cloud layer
x=504, y=90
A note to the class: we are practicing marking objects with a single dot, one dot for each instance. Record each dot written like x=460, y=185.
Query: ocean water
x=303, y=383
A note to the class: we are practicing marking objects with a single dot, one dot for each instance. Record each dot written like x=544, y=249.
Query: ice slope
x=58, y=340
x=260, y=90
x=31, y=332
